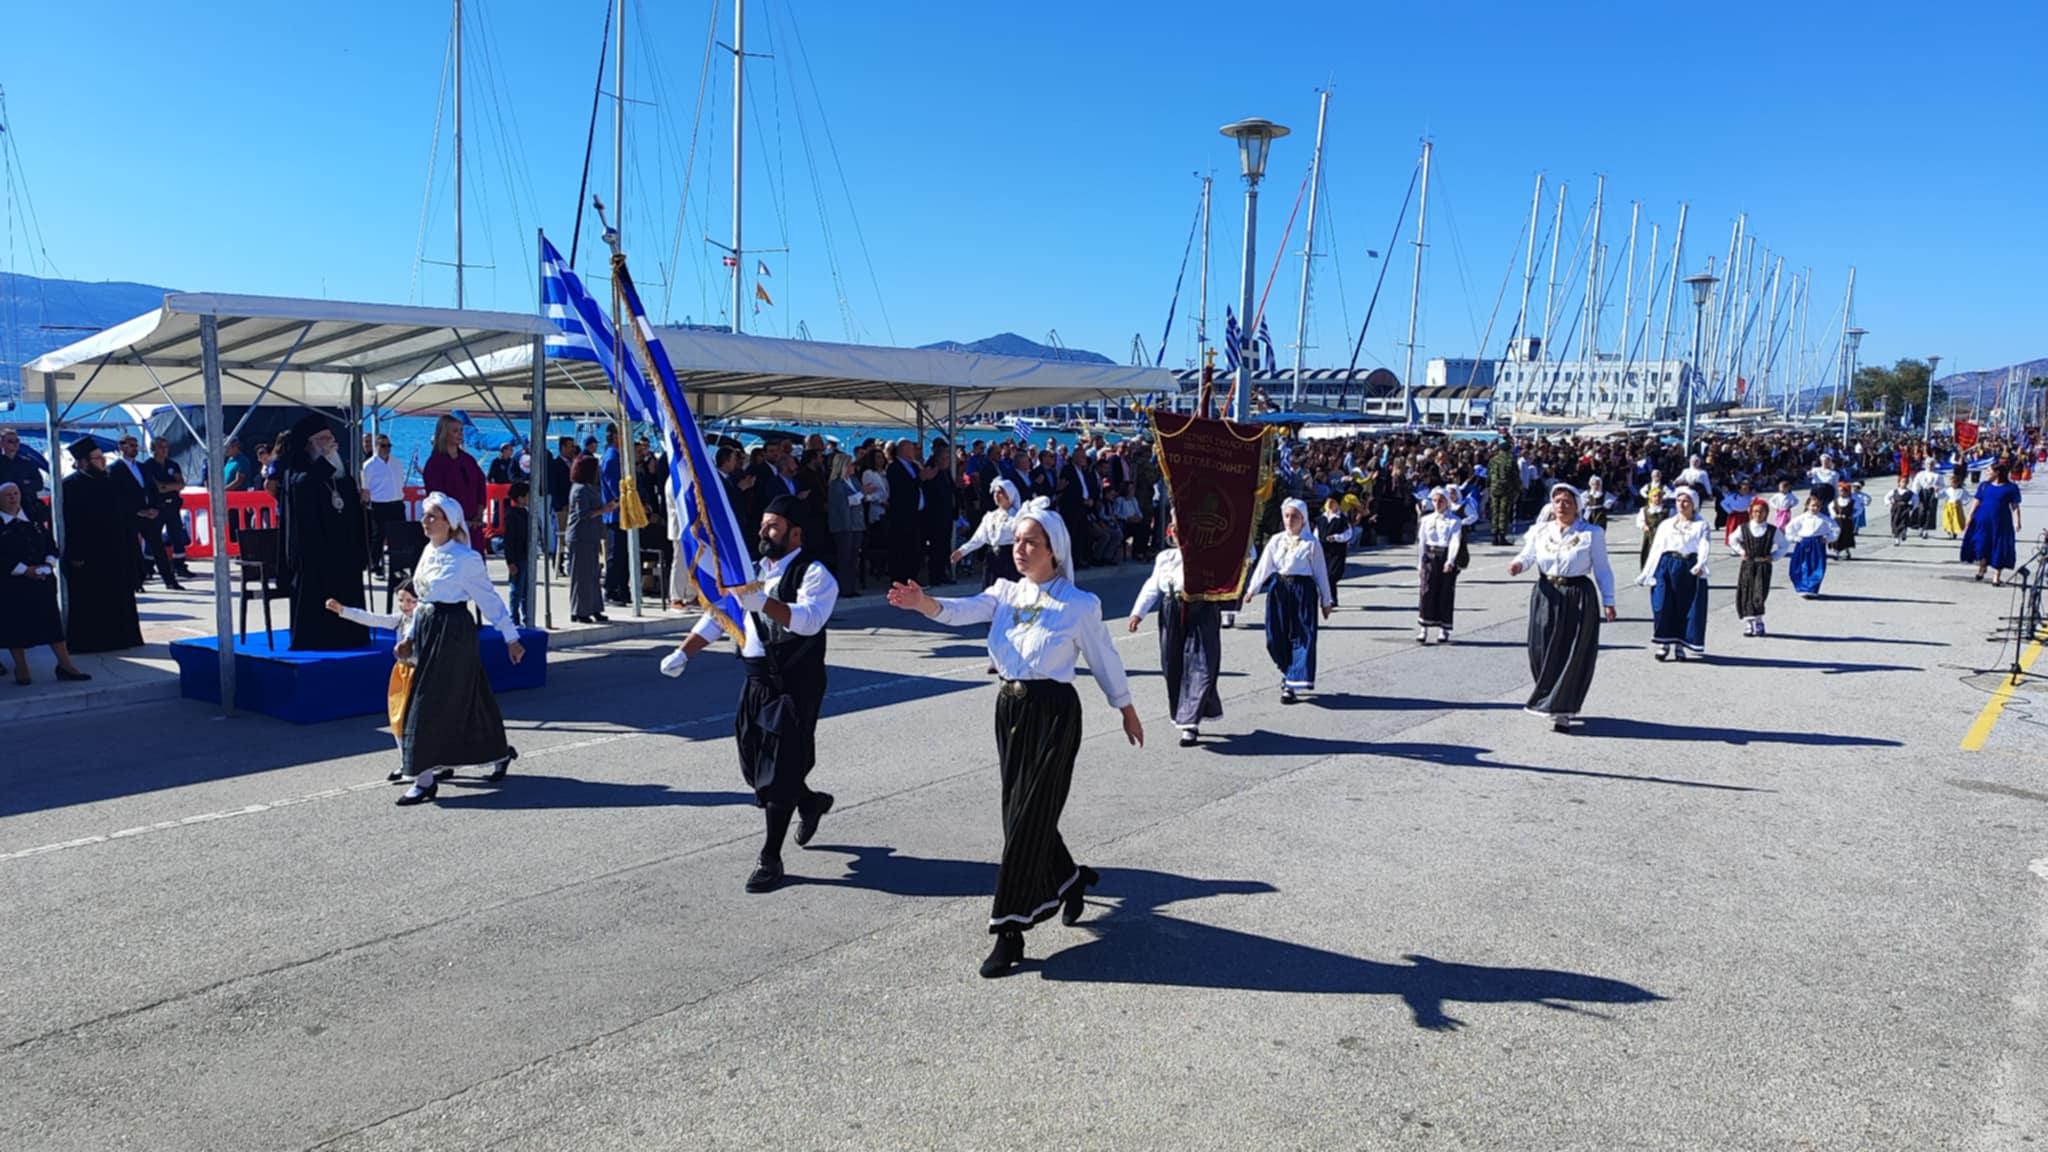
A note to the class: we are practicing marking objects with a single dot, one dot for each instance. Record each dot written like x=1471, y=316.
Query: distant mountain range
x=1011, y=344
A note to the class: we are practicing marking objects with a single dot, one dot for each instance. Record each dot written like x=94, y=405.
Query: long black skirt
x=1439, y=599
x=1752, y=588
x=1001, y=565
x=1038, y=734
x=1334, y=557
x=28, y=612
x=451, y=718
x=1291, y=615
x=1564, y=643
x=1190, y=654
x=776, y=729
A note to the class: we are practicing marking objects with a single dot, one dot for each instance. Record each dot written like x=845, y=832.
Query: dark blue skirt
x=1809, y=564
x=1291, y=610
x=1678, y=604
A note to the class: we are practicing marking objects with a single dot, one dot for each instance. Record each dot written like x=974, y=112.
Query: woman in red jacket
x=454, y=472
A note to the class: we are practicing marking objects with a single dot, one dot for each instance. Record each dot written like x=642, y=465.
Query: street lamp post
x=1254, y=137
x=1853, y=338
x=1702, y=287
x=1927, y=422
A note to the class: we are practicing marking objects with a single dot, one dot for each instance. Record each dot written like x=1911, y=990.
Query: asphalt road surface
x=1763, y=900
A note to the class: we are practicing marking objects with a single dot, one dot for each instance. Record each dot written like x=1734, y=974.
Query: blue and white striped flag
x=1230, y=340
x=711, y=553
x=586, y=333
x=1266, y=338
x=1022, y=429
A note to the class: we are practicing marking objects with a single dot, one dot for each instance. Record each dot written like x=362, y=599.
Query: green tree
x=1895, y=388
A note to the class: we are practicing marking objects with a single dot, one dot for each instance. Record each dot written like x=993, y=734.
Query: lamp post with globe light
x=1254, y=137
x=1853, y=338
x=1702, y=287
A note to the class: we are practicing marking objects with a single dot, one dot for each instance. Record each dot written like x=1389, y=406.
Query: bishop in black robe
x=324, y=551
x=100, y=560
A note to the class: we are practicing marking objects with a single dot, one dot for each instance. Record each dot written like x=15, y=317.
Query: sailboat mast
x=1592, y=343
x=1670, y=295
x=1550, y=292
x=1768, y=359
x=1308, y=245
x=1528, y=262
x=458, y=154
x=739, y=79
x=1202, y=317
x=1628, y=303
x=1415, y=294
x=1842, y=369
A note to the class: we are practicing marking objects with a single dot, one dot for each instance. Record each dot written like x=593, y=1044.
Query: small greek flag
x=586, y=333
x=1230, y=340
x=1266, y=338
x=1022, y=429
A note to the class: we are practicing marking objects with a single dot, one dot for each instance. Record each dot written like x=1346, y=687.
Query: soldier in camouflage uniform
x=1503, y=489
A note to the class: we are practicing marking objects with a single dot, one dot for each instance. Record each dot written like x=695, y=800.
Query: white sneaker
x=672, y=665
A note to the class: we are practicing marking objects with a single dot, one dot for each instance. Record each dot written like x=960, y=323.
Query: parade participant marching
x=1760, y=543
x=1190, y=641
x=1927, y=496
x=783, y=650
x=1678, y=580
x=1952, y=500
x=1810, y=533
x=1902, y=507
x=1994, y=525
x=1843, y=510
x=1784, y=505
x=1436, y=559
x=1040, y=627
x=398, y=690
x=1655, y=497
x=1574, y=593
x=1595, y=502
x=996, y=532
x=451, y=718
x=1335, y=531
x=1293, y=563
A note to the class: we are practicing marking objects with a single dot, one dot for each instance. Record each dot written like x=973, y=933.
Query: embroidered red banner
x=1215, y=472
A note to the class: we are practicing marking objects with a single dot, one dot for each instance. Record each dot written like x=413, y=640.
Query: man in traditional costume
x=783, y=650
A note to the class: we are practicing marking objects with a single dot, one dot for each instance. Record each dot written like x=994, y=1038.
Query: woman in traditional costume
x=1952, y=500
x=996, y=532
x=1760, y=543
x=1677, y=580
x=28, y=590
x=1040, y=627
x=1992, y=539
x=452, y=718
x=1190, y=640
x=1595, y=501
x=1436, y=558
x=1293, y=562
x=1810, y=533
x=1573, y=595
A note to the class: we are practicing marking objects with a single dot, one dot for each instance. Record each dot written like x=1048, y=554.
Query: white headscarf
x=1685, y=492
x=1439, y=491
x=1002, y=484
x=1040, y=511
x=1308, y=530
x=451, y=509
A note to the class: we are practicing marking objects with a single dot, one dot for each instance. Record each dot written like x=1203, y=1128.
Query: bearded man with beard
x=325, y=552
x=783, y=649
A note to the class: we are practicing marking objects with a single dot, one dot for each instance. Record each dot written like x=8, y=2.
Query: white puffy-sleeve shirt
x=1042, y=632
x=1694, y=538
x=1580, y=550
x=1437, y=530
x=1167, y=581
x=452, y=573
x=1810, y=524
x=816, y=595
x=1286, y=554
x=1779, y=547
x=997, y=529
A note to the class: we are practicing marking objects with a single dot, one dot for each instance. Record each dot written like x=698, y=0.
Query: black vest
x=1757, y=547
x=789, y=654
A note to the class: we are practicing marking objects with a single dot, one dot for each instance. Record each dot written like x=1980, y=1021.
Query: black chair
x=404, y=543
x=260, y=564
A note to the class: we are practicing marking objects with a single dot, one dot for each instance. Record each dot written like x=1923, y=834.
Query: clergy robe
x=324, y=556
x=99, y=565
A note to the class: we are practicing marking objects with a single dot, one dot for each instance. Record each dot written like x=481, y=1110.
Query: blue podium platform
x=313, y=687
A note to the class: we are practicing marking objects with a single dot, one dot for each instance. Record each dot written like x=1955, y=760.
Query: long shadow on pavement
x=1134, y=944
x=1266, y=743
x=1825, y=667
x=1620, y=729
x=535, y=792
x=1859, y=640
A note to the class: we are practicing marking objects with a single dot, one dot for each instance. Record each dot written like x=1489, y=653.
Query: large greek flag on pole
x=586, y=333
x=711, y=553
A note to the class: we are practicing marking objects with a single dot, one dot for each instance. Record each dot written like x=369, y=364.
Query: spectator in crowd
x=22, y=472
x=383, y=494
x=454, y=472
x=587, y=510
x=28, y=589
x=559, y=467
x=167, y=495
x=518, y=566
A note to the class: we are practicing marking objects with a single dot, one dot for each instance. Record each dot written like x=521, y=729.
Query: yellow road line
x=1981, y=730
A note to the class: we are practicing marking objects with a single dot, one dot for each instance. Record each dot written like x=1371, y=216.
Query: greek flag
x=711, y=553
x=1266, y=338
x=586, y=333
x=1022, y=429
x=1230, y=340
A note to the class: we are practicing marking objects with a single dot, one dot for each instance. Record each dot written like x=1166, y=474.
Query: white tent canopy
x=730, y=377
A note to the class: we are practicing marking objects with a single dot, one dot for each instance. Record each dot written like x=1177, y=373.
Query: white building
x=1603, y=388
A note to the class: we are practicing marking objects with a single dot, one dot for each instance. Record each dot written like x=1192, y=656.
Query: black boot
x=503, y=762
x=1076, y=901
x=1009, y=950
x=807, y=821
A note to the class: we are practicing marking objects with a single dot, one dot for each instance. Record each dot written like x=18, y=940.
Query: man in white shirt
x=384, y=492
x=783, y=648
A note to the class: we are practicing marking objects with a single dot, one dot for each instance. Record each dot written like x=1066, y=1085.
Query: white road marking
x=2039, y=867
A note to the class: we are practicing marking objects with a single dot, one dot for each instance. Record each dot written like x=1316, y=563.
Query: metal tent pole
x=50, y=432
x=537, y=485
x=217, y=509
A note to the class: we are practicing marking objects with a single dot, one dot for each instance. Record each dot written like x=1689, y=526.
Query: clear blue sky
x=1028, y=167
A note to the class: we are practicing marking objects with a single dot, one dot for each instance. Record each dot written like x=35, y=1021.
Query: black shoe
x=807, y=822
x=503, y=762
x=1188, y=737
x=1287, y=696
x=767, y=877
x=600, y=618
x=397, y=776
x=1004, y=956
x=420, y=795
x=1077, y=892
x=63, y=674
